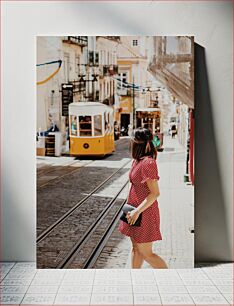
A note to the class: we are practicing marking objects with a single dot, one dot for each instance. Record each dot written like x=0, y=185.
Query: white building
x=77, y=54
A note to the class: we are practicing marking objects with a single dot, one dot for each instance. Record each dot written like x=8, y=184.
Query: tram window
x=97, y=125
x=73, y=125
x=106, y=121
x=147, y=123
x=85, y=124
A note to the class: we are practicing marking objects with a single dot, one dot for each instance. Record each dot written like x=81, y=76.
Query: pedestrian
x=129, y=130
x=143, y=195
x=173, y=131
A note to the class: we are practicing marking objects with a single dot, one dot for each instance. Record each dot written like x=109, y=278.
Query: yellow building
x=132, y=68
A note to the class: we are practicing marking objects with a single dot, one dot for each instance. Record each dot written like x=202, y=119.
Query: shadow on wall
x=211, y=229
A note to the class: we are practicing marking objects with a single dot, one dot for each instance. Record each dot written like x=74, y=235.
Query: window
x=85, y=125
x=123, y=79
x=73, y=120
x=135, y=42
x=97, y=125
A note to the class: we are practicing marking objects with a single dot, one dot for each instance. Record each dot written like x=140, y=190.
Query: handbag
x=125, y=209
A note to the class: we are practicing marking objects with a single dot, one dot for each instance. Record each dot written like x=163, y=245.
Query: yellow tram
x=91, y=128
x=151, y=118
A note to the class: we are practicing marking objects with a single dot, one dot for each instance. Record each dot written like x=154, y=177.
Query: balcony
x=81, y=41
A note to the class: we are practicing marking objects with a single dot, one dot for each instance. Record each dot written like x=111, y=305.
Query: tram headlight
x=86, y=145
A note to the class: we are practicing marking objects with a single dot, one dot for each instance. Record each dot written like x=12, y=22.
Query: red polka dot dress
x=149, y=230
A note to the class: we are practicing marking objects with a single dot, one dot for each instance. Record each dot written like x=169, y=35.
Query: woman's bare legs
x=145, y=249
x=137, y=258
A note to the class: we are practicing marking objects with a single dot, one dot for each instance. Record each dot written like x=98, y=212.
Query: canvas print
x=115, y=152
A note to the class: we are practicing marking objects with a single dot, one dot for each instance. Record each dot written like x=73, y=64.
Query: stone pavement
x=176, y=204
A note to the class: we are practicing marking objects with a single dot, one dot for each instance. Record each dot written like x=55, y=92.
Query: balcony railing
x=77, y=40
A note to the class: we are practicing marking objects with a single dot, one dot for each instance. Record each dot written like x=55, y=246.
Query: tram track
x=68, y=172
x=41, y=170
x=47, y=168
x=91, y=260
x=46, y=232
x=51, y=169
x=82, y=234
x=93, y=232
x=77, y=212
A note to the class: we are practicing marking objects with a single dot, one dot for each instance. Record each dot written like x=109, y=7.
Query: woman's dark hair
x=141, y=144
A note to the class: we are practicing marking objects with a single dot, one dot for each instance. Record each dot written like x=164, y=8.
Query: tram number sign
x=67, y=97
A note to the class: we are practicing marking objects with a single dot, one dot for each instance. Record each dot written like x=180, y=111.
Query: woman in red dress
x=143, y=196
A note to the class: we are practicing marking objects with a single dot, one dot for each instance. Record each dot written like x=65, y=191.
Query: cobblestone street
x=62, y=187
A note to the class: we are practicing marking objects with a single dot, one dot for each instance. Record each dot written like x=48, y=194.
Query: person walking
x=143, y=196
x=173, y=131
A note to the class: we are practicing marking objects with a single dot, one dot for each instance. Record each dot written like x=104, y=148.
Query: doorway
x=124, y=120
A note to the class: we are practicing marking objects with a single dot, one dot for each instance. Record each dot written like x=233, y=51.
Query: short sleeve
x=149, y=170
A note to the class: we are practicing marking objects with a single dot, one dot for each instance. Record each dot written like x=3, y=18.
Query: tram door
x=124, y=120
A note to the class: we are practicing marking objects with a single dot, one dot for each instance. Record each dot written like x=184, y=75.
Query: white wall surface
x=211, y=24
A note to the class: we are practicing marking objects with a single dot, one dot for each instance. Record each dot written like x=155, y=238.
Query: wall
x=211, y=24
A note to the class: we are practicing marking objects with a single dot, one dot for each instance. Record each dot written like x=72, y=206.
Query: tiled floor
x=207, y=284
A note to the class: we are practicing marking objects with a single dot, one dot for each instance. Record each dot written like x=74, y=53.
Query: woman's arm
x=154, y=193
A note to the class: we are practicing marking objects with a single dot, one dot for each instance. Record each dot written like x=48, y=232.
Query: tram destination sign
x=67, y=97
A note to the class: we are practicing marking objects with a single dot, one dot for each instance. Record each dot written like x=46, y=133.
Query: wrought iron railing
x=79, y=40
